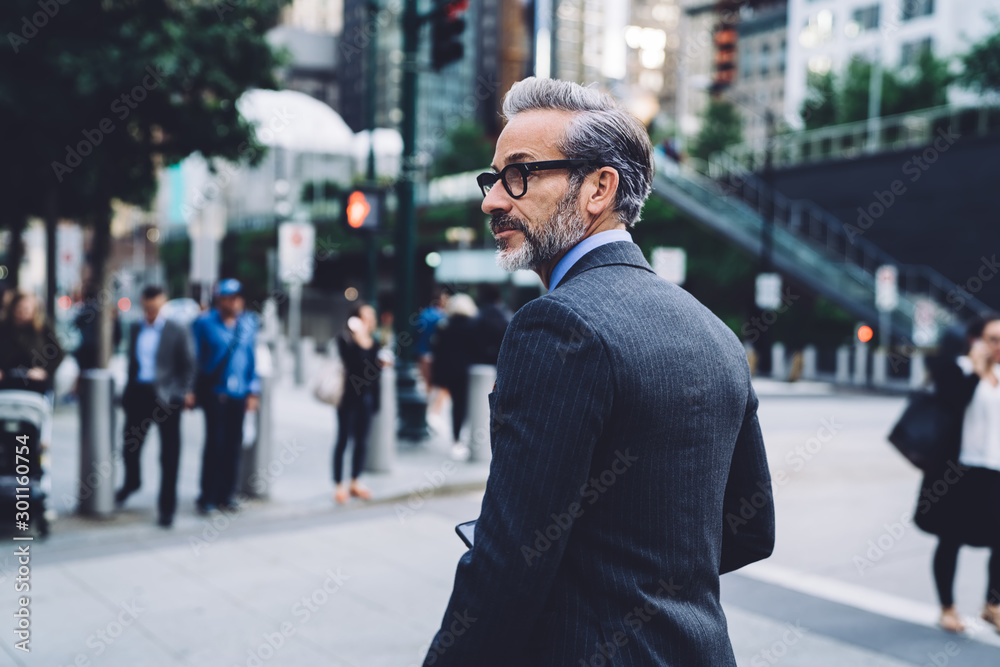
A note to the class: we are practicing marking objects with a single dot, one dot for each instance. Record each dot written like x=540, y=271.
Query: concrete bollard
x=809, y=362
x=382, y=440
x=918, y=371
x=860, y=365
x=880, y=368
x=481, y=380
x=255, y=480
x=843, y=372
x=96, y=481
x=779, y=364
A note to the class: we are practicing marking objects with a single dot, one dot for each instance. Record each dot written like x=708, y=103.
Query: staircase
x=817, y=250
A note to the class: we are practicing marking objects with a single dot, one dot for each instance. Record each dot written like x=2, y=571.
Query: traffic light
x=363, y=209
x=447, y=27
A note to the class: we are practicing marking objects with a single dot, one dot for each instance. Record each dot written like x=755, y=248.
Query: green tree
x=981, y=64
x=105, y=92
x=819, y=108
x=466, y=148
x=721, y=127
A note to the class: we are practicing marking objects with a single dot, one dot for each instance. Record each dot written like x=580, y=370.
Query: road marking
x=866, y=599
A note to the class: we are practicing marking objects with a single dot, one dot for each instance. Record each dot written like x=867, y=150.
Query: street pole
x=412, y=406
x=295, y=329
x=764, y=351
x=371, y=282
x=875, y=102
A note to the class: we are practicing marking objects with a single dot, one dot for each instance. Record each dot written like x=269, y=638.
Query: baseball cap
x=229, y=287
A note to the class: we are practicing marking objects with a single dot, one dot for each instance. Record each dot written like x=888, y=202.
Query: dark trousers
x=142, y=411
x=459, y=390
x=945, y=564
x=354, y=419
x=220, y=461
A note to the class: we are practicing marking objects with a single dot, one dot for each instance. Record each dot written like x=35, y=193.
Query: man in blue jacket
x=224, y=341
x=628, y=466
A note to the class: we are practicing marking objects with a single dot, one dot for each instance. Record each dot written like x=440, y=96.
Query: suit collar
x=625, y=253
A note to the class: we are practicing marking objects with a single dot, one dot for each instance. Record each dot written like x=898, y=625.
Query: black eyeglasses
x=515, y=175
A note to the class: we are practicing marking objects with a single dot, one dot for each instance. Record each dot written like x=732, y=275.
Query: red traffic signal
x=363, y=209
x=446, y=34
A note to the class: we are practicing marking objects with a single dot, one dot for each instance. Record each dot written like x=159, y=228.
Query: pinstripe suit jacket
x=628, y=472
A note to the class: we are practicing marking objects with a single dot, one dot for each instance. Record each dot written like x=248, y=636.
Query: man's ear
x=603, y=186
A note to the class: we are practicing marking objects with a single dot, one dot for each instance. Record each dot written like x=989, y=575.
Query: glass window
x=911, y=9
x=911, y=51
x=865, y=18
x=765, y=59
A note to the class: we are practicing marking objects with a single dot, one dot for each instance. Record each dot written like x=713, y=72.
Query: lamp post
x=412, y=406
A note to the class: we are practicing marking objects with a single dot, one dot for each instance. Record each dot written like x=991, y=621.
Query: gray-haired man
x=626, y=448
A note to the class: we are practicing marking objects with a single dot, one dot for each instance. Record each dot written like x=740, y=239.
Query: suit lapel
x=623, y=253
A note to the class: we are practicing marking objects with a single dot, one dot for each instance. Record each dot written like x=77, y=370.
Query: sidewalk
x=299, y=471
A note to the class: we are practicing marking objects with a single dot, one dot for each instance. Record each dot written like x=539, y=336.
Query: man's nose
x=496, y=201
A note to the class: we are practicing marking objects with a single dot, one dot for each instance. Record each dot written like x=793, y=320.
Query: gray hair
x=601, y=130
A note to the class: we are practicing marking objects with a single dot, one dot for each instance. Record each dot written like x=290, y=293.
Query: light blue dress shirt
x=582, y=248
x=146, y=346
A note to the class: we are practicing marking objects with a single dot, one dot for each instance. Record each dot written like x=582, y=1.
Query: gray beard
x=564, y=231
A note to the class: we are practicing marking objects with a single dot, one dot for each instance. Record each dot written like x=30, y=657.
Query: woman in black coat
x=454, y=347
x=362, y=370
x=960, y=497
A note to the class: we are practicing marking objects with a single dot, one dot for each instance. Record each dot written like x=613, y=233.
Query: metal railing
x=851, y=140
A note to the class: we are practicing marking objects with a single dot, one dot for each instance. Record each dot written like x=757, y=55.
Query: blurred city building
x=823, y=35
x=759, y=86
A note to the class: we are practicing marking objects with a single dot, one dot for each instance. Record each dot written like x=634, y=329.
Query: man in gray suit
x=628, y=466
x=161, y=373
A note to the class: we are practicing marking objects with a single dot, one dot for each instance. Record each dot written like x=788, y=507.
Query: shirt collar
x=157, y=323
x=581, y=249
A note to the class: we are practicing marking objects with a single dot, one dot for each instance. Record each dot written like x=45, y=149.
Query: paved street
x=298, y=582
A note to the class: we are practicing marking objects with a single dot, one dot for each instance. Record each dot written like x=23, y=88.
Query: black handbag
x=924, y=430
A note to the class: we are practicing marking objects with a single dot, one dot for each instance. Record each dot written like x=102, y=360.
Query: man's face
x=230, y=304
x=991, y=336
x=151, y=307
x=532, y=230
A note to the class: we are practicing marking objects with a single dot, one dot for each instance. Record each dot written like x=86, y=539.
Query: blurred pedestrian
x=426, y=327
x=491, y=324
x=626, y=446
x=454, y=349
x=226, y=387
x=960, y=498
x=161, y=372
x=362, y=370
x=30, y=353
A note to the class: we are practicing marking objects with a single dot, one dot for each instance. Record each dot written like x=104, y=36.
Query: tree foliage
x=721, y=127
x=99, y=94
x=466, y=148
x=981, y=64
x=834, y=99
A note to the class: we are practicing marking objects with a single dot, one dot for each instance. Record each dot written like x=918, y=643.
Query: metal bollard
x=382, y=439
x=809, y=362
x=97, y=470
x=779, y=367
x=481, y=380
x=918, y=372
x=880, y=368
x=860, y=364
x=843, y=373
x=255, y=479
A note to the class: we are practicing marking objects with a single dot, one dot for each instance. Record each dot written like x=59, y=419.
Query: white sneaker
x=459, y=452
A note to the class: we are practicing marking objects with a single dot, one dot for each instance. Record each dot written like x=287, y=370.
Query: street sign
x=886, y=291
x=670, y=264
x=69, y=256
x=768, y=293
x=296, y=246
x=925, y=325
